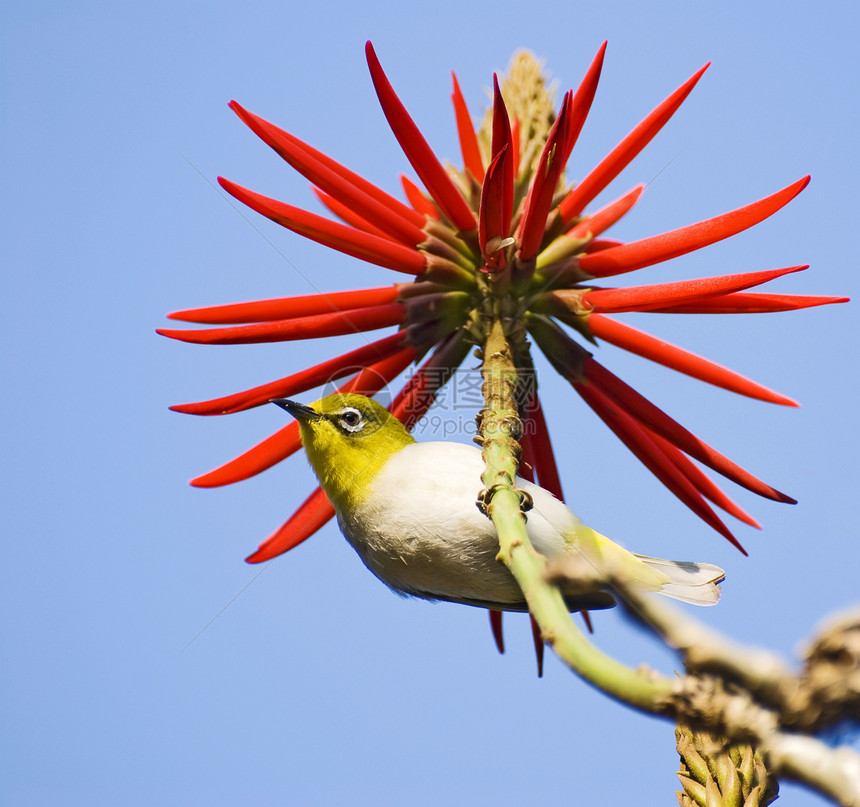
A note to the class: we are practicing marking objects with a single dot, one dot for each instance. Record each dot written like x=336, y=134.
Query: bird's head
x=348, y=438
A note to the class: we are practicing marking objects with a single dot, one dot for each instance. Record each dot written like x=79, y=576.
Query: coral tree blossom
x=508, y=215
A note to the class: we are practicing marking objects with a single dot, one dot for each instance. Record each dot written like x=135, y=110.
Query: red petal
x=417, y=199
x=669, y=355
x=659, y=422
x=582, y=100
x=560, y=142
x=330, y=370
x=366, y=247
x=376, y=376
x=637, y=422
x=750, y=304
x=502, y=142
x=599, y=244
x=386, y=217
x=494, y=219
x=658, y=295
x=704, y=484
x=526, y=465
x=255, y=460
x=496, y=628
x=466, y=132
x=539, y=199
x=419, y=393
x=618, y=159
x=581, y=237
x=603, y=219
x=310, y=517
x=336, y=323
x=637, y=439
x=539, y=645
x=540, y=447
x=288, y=307
x=648, y=251
x=282, y=142
x=515, y=140
x=563, y=353
x=420, y=155
x=348, y=215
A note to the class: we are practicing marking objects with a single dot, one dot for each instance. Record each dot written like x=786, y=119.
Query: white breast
x=422, y=533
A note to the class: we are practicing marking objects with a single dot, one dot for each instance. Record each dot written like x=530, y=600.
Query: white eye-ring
x=352, y=420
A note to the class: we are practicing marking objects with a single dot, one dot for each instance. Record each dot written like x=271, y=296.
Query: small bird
x=409, y=511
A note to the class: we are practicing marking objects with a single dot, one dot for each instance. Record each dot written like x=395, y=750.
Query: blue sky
x=144, y=661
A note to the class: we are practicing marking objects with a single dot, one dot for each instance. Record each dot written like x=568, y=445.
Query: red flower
x=508, y=225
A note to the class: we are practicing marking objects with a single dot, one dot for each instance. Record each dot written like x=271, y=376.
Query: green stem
x=501, y=428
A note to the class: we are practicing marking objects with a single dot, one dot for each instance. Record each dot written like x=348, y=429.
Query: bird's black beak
x=299, y=411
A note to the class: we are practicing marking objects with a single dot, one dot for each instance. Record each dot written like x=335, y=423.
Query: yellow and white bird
x=409, y=510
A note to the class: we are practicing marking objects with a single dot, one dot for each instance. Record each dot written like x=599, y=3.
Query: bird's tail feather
x=695, y=583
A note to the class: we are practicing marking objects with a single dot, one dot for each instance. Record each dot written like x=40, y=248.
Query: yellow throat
x=348, y=439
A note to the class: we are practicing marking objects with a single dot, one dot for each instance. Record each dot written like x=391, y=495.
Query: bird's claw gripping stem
x=486, y=495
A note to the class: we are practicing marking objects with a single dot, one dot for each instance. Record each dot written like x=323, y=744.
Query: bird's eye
x=351, y=420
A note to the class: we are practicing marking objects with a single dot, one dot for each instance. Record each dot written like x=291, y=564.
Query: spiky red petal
x=353, y=320
x=544, y=183
x=600, y=244
x=560, y=142
x=669, y=355
x=417, y=198
x=659, y=422
x=536, y=437
x=618, y=159
x=287, y=307
x=282, y=141
x=418, y=152
x=494, y=219
x=703, y=483
x=581, y=237
x=663, y=247
x=466, y=133
x=302, y=381
x=638, y=440
x=347, y=214
x=419, y=392
x=312, y=514
x=496, y=628
x=385, y=217
x=582, y=100
x=515, y=140
x=659, y=295
x=603, y=219
x=750, y=304
x=502, y=141
x=364, y=246
x=539, y=645
x=255, y=460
